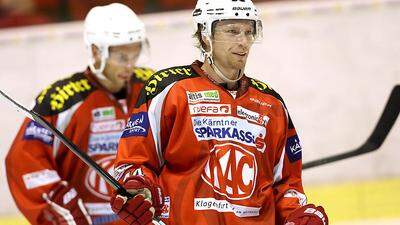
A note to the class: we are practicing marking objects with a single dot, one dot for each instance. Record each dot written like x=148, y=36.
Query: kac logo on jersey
x=293, y=148
x=95, y=183
x=35, y=131
x=231, y=171
x=138, y=125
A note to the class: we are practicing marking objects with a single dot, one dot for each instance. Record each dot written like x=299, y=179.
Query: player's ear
x=205, y=42
x=96, y=53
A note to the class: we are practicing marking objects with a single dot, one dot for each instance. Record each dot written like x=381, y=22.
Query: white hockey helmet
x=111, y=25
x=207, y=12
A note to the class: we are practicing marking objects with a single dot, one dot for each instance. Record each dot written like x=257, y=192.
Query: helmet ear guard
x=104, y=53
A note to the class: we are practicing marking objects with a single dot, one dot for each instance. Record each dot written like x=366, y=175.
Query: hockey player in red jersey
x=218, y=146
x=51, y=185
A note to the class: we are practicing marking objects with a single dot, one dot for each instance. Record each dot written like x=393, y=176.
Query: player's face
x=232, y=40
x=121, y=63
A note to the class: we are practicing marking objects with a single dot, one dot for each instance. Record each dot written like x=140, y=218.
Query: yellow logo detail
x=151, y=86
x=42, y=94
x=63, y=93
x=143, y=74
x=260, y=85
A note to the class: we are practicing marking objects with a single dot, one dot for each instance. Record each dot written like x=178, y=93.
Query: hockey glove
x=144, y=206
x=65, y=207
x=308, y=215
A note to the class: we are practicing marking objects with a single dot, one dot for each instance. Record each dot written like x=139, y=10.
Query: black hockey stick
x=376, y=139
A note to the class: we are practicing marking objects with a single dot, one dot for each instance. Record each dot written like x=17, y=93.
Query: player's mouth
x=241, y=54
x=124, y=76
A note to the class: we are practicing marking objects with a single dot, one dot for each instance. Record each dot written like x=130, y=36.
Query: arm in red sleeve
x=288, y=189
x=31, y=170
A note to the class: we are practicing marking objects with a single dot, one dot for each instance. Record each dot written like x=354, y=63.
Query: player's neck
x=212, y=74
x=112, y=87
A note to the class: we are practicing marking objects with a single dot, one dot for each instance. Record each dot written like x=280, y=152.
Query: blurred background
x=31, y=12
x=333, y=61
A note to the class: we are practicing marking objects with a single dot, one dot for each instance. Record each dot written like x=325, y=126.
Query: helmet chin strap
x=98, y=72
x=208, y=56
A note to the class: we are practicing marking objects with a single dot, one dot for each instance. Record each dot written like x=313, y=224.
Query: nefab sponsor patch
x=210, y=109
x=138, y=125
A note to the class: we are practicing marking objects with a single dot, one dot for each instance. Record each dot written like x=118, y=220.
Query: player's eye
x=249, y=32
x=233, y=31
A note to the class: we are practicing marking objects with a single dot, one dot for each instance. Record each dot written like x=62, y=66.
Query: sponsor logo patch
x=40, y=178
x=260, y=102
x=203, y=96
x=107, y=126
x=95, y=183
x=71, y=194
x=211, y=109
x=231, y=171
x=293, y=148
x=138, y=125
x=104, y=113
x=35, y=131
x=225, y=206
x=104, y=143
x=99, y=220
x=229, y=128
x=166, y=208
x=95, y=209
x=252, y=116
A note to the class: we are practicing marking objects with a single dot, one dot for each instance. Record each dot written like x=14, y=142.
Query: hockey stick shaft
x=70, y=145
x=376, y=139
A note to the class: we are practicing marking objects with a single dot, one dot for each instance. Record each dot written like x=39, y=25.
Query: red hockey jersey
x=220, y=157
x=90, y=117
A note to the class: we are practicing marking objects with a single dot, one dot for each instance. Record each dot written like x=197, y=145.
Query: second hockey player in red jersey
x=51, y=185
x=210, y=145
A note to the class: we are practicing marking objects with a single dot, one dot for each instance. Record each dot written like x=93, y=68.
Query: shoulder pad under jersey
x=161, y=79
x=267, y=89
x=142, y=74
x=264, y=88
x=63, y=94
